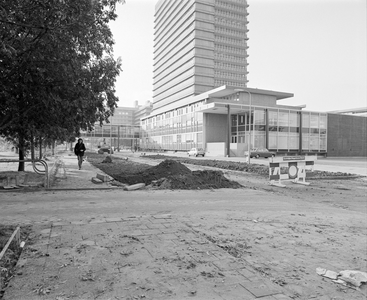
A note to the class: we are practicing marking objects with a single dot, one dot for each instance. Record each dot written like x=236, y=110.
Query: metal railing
x=35, y=165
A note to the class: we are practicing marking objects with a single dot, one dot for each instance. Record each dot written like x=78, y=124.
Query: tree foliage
x=57, y=69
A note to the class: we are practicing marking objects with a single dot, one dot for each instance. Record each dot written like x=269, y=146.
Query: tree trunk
x=21, y=154
x=40, y=145
x=32, y=146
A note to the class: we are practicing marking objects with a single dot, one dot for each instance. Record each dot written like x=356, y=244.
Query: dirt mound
x=171, y=174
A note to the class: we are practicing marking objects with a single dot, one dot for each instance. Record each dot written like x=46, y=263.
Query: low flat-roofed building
x=226, y=121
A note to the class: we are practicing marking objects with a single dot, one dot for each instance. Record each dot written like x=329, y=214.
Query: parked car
x=260, y=152
x=104, y=149
x=196, y=152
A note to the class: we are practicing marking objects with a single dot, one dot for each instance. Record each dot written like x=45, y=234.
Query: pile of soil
x=227, y=165
x=171, y=174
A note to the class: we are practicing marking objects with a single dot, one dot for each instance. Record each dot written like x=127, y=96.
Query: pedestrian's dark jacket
x=79, y=149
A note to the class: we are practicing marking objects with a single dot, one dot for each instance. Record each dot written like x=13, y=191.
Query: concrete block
x=104, y=178
x=134, y=187
x=96, y=180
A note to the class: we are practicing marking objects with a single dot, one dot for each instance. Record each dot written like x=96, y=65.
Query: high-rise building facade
x=198, y=45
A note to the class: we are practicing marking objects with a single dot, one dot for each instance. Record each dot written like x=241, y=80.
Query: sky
x=314, y=49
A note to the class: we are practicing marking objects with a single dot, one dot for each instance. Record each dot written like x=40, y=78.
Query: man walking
x=79, y=150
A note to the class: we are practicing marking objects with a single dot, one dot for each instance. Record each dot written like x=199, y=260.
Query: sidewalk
x=69, y=177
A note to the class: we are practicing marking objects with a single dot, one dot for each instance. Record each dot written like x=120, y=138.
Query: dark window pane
x=273, y=128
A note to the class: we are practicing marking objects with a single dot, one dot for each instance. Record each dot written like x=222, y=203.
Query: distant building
x=122, y=131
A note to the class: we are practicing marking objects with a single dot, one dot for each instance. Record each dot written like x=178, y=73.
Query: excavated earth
x=173, y=173
x=169, y=174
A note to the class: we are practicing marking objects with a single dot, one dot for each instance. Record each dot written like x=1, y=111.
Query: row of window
x=243, y=129
x=231, y=58
x=233, y=32
x=173, y=142
x=228, y=40
x=170, y=130
x=238, y=8
x=230, y=22
x=176, y=122
x=228, y=14
x=222, y=65
x=187, y=112
x=218, y=83
x=228, y=75
x=229, y=49
x=281, y=118
x=242, y=2
x=285, y=142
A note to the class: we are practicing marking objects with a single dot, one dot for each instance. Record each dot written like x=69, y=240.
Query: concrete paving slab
x=261, y=288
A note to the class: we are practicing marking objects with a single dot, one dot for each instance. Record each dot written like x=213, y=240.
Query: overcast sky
x=315, y=49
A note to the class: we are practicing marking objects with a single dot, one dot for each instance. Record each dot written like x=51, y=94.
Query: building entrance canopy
x=222, y=108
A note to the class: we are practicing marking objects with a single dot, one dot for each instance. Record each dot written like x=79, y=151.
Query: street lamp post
x=249, y=131
x=228, y=130
x=111, y=151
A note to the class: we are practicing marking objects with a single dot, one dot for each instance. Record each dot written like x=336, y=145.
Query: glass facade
x=119, y=136
x=178, y=129
x=277, y=129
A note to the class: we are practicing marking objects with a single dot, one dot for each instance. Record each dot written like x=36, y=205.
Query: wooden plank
x=9, y=242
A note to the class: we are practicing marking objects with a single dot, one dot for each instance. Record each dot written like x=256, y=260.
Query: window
x=314, y=120
x=260, y=116
x=273, y=118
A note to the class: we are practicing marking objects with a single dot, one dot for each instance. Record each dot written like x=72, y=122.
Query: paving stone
x=162, y=216
x=235, y=291
x=79, y=222
x=247, y=273
x=228, y=264
x=45, y=231
x=201, y=257
x=150, y=231
x=156, y=226
x=261, y=288
x=54, y=224
x=220, y=253
x=170, y=224
x=136, y=232
x=167, y=236
x=281, y=297
x=97, y=221
x=113, y=219
x=171, y=230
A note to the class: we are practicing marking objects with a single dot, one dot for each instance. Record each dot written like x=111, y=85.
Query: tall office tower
x=198, y=45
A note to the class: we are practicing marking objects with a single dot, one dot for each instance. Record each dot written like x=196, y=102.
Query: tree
x=57, y=68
